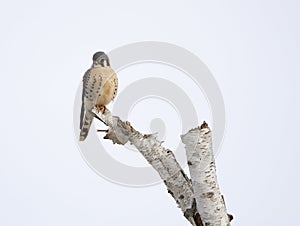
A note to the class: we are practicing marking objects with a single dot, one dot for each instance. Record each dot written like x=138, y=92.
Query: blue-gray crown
x=97, y=55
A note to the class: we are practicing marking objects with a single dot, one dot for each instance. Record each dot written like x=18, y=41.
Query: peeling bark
x=209, y=201
x=199, y=199
x=160, y=158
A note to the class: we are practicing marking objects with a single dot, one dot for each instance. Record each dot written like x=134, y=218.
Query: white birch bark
x=160, y=158
x=210, y=203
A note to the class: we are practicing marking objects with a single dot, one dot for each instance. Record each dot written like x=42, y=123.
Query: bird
x=100, y=85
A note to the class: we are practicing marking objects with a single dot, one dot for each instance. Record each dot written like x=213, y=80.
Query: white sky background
x=252, y=49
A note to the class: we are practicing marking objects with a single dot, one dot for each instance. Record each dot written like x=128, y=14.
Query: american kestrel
x=100, y=84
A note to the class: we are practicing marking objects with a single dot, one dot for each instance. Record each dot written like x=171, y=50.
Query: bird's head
x=100, y=59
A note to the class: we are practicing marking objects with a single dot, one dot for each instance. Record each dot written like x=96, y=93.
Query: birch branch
x=210, y=202
x=160, y=158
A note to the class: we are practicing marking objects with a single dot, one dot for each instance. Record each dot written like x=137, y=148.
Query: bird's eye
x=103, y=62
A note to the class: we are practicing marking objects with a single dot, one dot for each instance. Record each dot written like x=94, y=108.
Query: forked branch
x=161, y=159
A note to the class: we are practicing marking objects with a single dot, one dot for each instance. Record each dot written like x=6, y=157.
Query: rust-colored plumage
x=100, y=84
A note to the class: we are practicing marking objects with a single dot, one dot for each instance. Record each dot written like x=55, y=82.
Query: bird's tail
x=86, y=124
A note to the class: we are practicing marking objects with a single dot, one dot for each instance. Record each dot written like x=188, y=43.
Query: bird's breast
x=106, y=93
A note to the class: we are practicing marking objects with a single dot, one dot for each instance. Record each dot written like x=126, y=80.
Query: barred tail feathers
x=86, y=124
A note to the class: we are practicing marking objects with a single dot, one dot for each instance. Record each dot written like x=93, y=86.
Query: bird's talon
x=101, y=108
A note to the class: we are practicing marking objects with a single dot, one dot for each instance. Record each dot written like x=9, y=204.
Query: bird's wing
x=86, y=77
x=92, y=84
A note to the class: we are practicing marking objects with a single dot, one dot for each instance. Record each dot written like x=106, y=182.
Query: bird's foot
x=101, y=108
